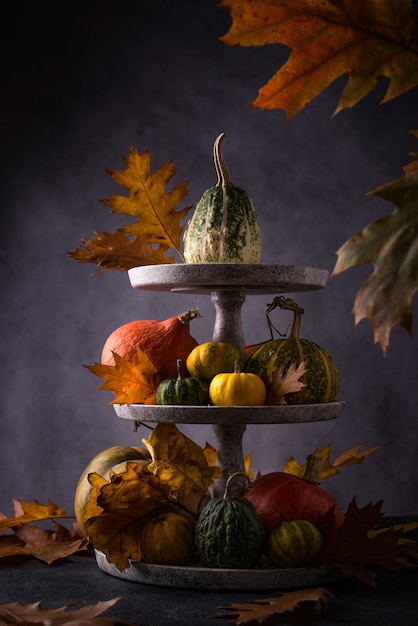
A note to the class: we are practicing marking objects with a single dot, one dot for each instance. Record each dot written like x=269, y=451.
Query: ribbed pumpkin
x=182, y=390
x=167, y=539
x=208, y=359
x=229, y=533
x=322, y=379
x=224, y=226
x=102, y=463
x=162, y=341
x=293, y=544
x=295, y=498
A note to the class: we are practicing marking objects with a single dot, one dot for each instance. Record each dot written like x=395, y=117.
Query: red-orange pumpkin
x=162, y=341
x=294, y=498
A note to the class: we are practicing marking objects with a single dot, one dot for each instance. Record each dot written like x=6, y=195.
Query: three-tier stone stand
x=228, y=284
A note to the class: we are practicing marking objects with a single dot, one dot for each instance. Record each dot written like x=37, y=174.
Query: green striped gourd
x=229, y=533
x=224, y=226
x=293, y=544
x=322, y=379
x=182, y=390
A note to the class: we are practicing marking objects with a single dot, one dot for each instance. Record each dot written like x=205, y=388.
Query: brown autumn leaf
x=303, y=602
x=391, y=245
x=286, y=382
x=355, y=547
x=127, y=501
x=26, y=512
x=34, y=613
x=366, y=39
x=156, y=230
x=131, y=383
x=352, y=456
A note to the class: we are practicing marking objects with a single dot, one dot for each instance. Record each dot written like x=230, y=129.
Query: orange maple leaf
x=367, y=39
x=352, y=456
x=157, y=228
x=131, y=383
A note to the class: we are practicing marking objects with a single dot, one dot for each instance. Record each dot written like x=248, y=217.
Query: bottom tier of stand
x=206, y=578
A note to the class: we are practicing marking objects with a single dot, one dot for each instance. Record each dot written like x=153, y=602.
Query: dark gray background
x=82, y=82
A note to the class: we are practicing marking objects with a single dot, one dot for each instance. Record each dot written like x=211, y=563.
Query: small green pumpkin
x=293, y=544
x=224, y=226
x=322, y=379
x=182, y=390
x=229, y=533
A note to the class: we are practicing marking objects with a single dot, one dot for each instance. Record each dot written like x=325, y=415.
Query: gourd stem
x=186, y=317
x=290, y=305
x=313, y=469
x=224, y=178
x=179, y=372
x=228, y=482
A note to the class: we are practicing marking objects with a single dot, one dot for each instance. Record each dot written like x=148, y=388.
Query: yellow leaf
x=26, y=512
x=131, y=383
x=178, y=460
x=366, y=39
x=286, y=382
x=352, y=456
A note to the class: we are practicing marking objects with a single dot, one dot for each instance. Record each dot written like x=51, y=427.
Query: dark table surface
x=78, y=581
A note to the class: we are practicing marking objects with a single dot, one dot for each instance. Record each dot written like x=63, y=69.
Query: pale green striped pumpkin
x=322, y=378
x=293, y=544
x=224, y=226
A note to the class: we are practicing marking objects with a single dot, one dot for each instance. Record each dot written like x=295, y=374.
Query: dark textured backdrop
x=82, y=82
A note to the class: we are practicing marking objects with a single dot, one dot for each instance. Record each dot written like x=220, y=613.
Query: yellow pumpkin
x=106, y=460
x=213, y=357
x=237, y=389
x=167, y=539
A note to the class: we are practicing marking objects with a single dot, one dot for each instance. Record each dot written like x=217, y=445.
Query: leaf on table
x=26, y=512
x=366, y=39
x=284, y=382
x=303, y=602
x=131, y=383
x=352, y=456
x=157, y=228
x=355, y=547
x=179, y=461
x=34, y=613
x=45, y=545
x=391, y=245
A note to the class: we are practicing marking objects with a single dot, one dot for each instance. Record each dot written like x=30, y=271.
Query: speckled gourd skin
x=224, y=226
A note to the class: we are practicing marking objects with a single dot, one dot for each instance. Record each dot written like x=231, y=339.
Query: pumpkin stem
x=231, y=477
x=313, y=469
x=279, y=516
x=179, y=371
x=237, y=367
x=186, y=317
x=224, y=179
x=290, y=305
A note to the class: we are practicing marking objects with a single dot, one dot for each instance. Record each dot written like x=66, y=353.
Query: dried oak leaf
x=391, y=245
x=366, y=39
x=157, y=228
x=355, y=546
x=125, y=502
x=45, y=545
x=352, y=456
x=286, y=382
x=302, y=602
x=34, y=613
x=178, y=461
x=131, y=383
x=26, y=512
